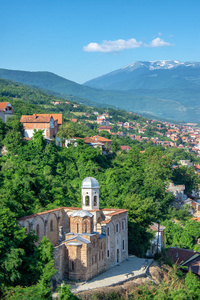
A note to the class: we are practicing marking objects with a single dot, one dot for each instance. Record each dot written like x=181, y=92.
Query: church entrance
x=117, y=255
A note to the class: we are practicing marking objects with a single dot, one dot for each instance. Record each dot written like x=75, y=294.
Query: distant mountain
x=151, y=75
x=164, y=89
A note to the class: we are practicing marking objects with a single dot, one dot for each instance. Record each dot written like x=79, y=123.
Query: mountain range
x=166, y=89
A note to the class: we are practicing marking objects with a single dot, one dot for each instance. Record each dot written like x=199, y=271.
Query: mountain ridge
x=164, y=100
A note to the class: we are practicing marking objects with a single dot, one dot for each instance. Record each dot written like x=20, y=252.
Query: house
x=120, y=124
x=187, y=259
x=6, y=110
x=158, y=242
x=105, y=128
x=49, y=123
x=87, y=240
x=125, y=148
x=177, y=191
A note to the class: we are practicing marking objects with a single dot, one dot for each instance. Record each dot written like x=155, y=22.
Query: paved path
x=126, y=270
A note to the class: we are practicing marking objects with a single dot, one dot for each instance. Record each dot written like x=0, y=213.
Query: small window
x=87, y=200
x=51, y=225
x=108, y=253
x=123, y=245
x=117, y=227
x=77, y=227
x=85, y=227
x=95, y=200
x=108, y=231
x=37, y=230
x=73, y=266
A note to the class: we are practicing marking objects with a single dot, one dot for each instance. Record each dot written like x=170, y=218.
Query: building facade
x=87, y=240
x=6, y=110
x=49, y=123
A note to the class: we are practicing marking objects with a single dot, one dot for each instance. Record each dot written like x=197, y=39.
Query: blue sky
x=84, y=39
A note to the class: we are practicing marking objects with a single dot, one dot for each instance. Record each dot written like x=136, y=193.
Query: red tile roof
x=3, y=105
x=55, y=117
x=179, y=255
x=41, y=118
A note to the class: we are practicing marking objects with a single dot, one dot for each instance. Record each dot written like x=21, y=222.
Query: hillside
x=171, y=103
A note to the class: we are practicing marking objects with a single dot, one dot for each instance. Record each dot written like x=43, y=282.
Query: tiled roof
x=194, y=265
x=100, y=138
x=35, y=119
x=46, y=212
x=3, y=105
x=105, y=127
x=55, y=117
x=179, y=255
x=41, y=118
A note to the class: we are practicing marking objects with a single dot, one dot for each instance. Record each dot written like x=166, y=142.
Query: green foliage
x=182, y=236
x=64, y=293
x=187, y=176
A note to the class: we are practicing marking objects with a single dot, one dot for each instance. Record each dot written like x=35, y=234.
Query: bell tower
x=90, y=193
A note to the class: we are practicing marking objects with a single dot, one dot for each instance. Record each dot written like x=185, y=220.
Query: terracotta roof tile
x=3, y=105
x=179, y=255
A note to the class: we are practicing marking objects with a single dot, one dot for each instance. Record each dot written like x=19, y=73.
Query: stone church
x=86, y=240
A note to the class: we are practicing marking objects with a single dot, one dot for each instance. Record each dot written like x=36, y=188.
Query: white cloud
x=119, y=45
x=112, y=46
x=158, y=42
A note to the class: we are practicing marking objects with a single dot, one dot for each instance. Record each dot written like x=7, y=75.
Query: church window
x=51, y=225
x=117, y=227
x=87, y=200
x=108, y=231
x=77, y=227
x=123, y=245
x=73, y=266
x=122, y=225
x=37, y=230
x=95, y=200
x=85, y=227
x=108, y=253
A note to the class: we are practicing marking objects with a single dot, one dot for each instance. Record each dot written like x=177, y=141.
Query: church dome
x=90, y=183
x=82, y=214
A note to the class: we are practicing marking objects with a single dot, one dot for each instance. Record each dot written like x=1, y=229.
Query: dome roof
x=82, y=214
x=90, y=183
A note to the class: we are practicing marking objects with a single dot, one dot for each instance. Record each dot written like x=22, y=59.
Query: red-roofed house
x=49, y=123
x=125, y=148
x=188, y=259
x=6, y=110
x=105, y=128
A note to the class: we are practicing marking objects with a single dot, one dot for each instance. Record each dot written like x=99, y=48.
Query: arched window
x=117, y=227
x=77, y=227
x=51, y=225
x=85, y=227
x=87, y=200
x=37, y=230
x=95, y=200
x=123, y=225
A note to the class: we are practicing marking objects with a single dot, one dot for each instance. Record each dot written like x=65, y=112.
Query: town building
x=49, y=123
x=87, y=240
x=6, y=110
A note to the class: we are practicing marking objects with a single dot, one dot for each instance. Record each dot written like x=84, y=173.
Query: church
x=86, y=240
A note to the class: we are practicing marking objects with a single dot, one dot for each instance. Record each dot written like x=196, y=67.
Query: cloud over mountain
x=119, y=45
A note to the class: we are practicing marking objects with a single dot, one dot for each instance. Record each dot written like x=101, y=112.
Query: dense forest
x=37, y=176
